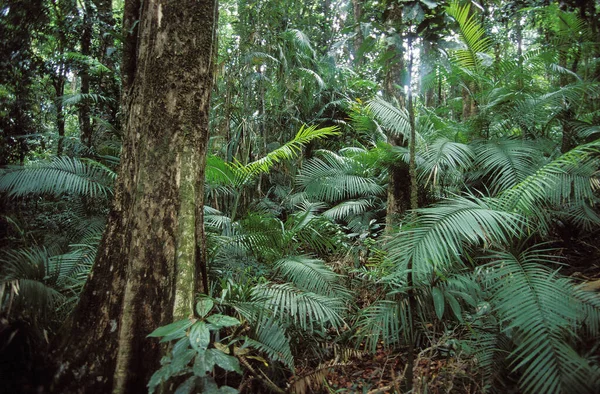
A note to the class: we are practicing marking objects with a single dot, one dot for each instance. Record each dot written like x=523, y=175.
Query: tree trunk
x=398, y=182
x=152, y=254
x=358, y=37
x=85, y=125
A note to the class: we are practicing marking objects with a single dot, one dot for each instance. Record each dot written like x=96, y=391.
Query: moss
x=186, y=237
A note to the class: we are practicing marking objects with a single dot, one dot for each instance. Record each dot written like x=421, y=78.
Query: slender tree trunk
x=398, y=182
x=151, y=260
x=59, y=88
x=85, y=125
x=358, y=38
x=414, y=204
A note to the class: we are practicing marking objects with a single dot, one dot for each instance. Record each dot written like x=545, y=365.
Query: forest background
x=398, y=195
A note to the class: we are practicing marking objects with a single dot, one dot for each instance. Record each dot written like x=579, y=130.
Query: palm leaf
x=310, y=275
x=304, y=309
x=441, y=232
x=541, y=321
x=61, y=175
x=269, y=337
x=505, y=163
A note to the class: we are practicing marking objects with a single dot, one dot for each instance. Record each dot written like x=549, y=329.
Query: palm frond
x=304, y=309
x=310, y=275
x=472, y=34
x=289, y=150
x=269, y=337
x=505, y=163
x=570, y=179
x=444, y=157
x=540, y=322
x=348, y=209
x=336, y=178
x=441, y=232
x=61, y=175
x=381, y=321
x=394, y=119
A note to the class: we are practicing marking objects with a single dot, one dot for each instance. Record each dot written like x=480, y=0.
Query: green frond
x=394, y=119
x=314, y=75
x=335, y=178
x=442, y=231
x=304, y=309
x=570, y=179
x=381, y=322
x=472, y=34
x=35, y=282
x=540, y=322
x=77, y=98
x=443, y=158
x=348, y=209
x=288, y=151
x=269, y=337
x=61, y=175
x=310, y=275
x=504, y=163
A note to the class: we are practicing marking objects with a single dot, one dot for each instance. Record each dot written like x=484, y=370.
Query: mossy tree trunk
x=151, y=260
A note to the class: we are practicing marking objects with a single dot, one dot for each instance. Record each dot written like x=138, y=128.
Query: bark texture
x=151, y=256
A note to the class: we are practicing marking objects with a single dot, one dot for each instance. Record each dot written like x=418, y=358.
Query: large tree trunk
x=152, y=253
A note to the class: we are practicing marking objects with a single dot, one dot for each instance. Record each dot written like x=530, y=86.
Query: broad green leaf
x=204, y=306
x=228, y=363
x=438, y=302
x=228, y=390
x=181, y=345
x=204, y=363
x=220, y=321
x=158, y=377
x=181, y=362
x=199, y=336
x=455, y=306
x=187, y=386
x=180, y=325
x=210, y=386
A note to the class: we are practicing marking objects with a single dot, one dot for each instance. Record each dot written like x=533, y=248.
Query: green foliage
x=192, y=354
x=61, y=175
x=542, y=322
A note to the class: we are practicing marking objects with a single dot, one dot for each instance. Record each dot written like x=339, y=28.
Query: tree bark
x=152, y=254
x=85, y=125
x=398, y=181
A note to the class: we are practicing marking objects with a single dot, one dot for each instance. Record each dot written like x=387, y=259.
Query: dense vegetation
x=398, y=195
